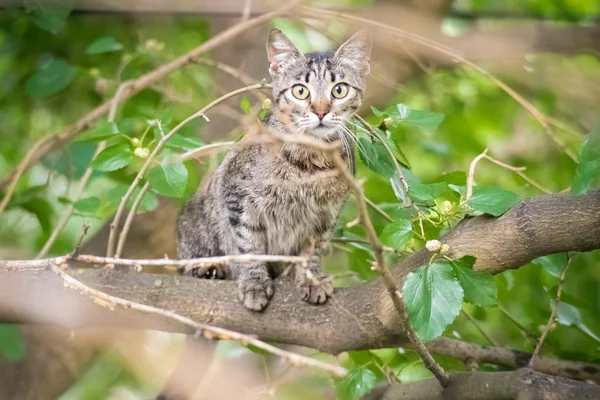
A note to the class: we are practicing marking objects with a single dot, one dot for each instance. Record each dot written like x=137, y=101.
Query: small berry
x=433, y=245
x=136, y=142
x=266, y=104
x=444, y=249
x=446, y=207
x=142, y=152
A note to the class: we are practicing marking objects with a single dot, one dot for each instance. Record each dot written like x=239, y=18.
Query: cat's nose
x=321, y=108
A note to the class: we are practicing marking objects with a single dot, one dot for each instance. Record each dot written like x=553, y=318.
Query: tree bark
x=523, y=384
x=535, y=227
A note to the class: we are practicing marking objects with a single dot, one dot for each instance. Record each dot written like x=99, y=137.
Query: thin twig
x=479, y=328
x=380, y=210
x=115, y=223
x=373, y=132
x=196, y=153
x=50, y=142
x=519, y=171
x=206, y=331
x=129, y=219
x=516, y=322
x=537, y=114
x=555, y=304
x=17, y=174
x=86, y=227
x=387, y=278
x=471, y=175
x=183, y=265
x=247, y=10
x=207, y=150
x=84, y=178
x=234, y=72
x=228, y=69
x=378, y=251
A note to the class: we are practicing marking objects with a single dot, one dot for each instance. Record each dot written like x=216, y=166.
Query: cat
x=273, y=198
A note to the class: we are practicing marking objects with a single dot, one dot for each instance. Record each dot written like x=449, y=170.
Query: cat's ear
x=281, y=52
x=356, y=52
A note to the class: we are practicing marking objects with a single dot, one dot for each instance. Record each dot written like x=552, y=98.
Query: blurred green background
x=58, y=63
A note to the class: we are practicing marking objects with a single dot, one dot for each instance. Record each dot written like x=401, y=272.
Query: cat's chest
x=320, y=191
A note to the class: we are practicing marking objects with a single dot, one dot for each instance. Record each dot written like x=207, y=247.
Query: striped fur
x=267, y=198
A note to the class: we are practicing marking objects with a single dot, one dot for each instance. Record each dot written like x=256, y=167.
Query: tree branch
x=520, y=384
x=514, y=359
x=535, y=227
x=52, y=142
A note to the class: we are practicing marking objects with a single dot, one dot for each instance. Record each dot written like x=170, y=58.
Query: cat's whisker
x=345, y=144
x=350, y=135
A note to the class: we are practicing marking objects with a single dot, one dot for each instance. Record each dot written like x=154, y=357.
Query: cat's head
x=318, y=92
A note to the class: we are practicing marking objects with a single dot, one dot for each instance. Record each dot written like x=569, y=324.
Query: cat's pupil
x=338, y=89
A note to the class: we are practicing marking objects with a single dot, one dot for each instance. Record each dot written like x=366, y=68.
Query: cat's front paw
x=315, y=289
x=255, y=293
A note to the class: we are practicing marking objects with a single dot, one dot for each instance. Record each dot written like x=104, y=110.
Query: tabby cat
x=273, y=198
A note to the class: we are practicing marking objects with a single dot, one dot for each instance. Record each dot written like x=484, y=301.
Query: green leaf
x=105, y=44
x=256, y=350
x=42, y=210
x=113, y=158
x=423, y=119
x=376, y=157
x=414, y=372
x=30, y=201
x=376, y=112
x=26, y=195
x=433, y=298
x=426, y=194
x=51, y=17
x=245, y=105
x=552, y=264
x=479, y=286
x=113, y=197
x=103, y=130
x=588, y=169
x=169, y=178
x=50, y=78
x=178, y=141
x=398, y=188
x=492, y=200
x=568, y=315
x=454, y=178
x=12, y=345
x=356, y=384
x=461, y=190
x=88, y=205
x=419, y=118
x=395, y=149
x=397, y=234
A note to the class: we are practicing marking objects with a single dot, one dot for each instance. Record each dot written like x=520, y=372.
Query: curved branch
x=52, y=142
x=520, y=384
x=513, y=359
x=535, y=227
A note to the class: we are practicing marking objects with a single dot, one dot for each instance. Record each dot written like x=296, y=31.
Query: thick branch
x=535, y=227
x=513, y=359
x=521, y=384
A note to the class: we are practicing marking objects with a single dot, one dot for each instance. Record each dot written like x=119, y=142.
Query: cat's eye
x=340, y=91
x=300, y=92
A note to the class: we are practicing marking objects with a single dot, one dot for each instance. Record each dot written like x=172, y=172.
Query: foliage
x=56, y=67
x=12, y=345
